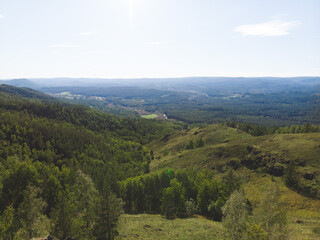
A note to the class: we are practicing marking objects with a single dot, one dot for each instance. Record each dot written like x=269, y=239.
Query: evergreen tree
x=6, y=222
x=168, y=205
x=231, y=182
x=218, y=209
x=199, y=143
x=207, y=192
x=86, y=201
x=173, y=201
x=64, y=214
x=110, y=208
x=156, y=195
x=31, y=214
x=291, y=175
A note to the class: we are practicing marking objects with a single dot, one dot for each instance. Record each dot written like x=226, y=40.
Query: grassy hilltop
x=259, y=161
x=229, y=148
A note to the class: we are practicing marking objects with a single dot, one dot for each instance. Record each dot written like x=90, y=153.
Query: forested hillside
x=264, y=101
x=60, y=164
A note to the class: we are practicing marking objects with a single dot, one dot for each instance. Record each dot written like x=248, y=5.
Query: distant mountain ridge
x=184, y=83
x=21, y=83
x=24, y=92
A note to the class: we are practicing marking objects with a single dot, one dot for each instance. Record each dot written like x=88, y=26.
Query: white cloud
x=267, y=29
x=64, y=46
x=87, y=33
x=1, y=16
x=157, y=43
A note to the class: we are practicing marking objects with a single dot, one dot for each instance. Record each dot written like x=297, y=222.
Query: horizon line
x=137, y=78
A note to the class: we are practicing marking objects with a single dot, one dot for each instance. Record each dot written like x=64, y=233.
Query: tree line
x=179, y=193
x=256, y=130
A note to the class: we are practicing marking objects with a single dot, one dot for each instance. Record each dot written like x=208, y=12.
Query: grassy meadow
x=150, y=116
x=146, y=226
x=226, y=147
x=223, y=144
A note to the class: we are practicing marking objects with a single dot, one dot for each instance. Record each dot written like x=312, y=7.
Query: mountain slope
x=61, y=162
x=231, y=148
x=23, y=92
x=21, y=83
x=261, y=162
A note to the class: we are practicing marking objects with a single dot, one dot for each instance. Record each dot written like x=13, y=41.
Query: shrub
x=235, y=216
x=191, y=207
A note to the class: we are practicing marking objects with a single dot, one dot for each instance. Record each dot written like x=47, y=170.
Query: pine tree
x=64, y=214
x=173, y=201
x=110, y=208
x=86, y=201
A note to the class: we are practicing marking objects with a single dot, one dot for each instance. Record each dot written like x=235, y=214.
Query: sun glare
x=131, y=11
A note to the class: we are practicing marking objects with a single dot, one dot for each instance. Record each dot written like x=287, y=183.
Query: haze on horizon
x=159, y=38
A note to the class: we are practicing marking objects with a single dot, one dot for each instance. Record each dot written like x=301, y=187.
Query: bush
x=235, y=216
x=191, y=207
x=272, y=216
x=256, y=232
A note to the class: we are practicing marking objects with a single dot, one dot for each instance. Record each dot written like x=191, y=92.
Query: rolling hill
x=49, y=149
x=259, y=161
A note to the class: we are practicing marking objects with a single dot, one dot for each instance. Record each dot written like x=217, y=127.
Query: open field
x=146, y=226
x=150, y=116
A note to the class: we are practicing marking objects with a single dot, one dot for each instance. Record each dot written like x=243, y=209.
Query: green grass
x=303, y=212
x=303, y=215
x=146, y=226
x=150, y=116
x=217, y=139
x=224, y=144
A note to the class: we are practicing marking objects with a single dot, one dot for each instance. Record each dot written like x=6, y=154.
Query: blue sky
x=159, y=38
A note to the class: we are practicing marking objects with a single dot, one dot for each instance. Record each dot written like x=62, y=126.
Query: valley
x=138, y=164
x=159, y=120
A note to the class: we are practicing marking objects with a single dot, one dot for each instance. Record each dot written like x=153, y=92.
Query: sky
x=159, y=38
